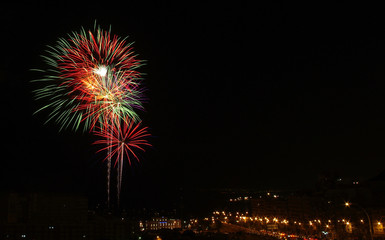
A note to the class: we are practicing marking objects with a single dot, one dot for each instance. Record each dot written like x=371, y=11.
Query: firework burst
x=92, y=76
x=122, y=139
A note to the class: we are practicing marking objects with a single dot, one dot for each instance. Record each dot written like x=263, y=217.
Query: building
x=344, y=208
x=269, y=207
x=43, y=216
x=158, y=223
x=46, y=216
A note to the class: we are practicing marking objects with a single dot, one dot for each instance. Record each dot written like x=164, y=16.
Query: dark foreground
x=190, y=235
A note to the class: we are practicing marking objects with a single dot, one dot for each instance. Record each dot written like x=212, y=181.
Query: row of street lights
x=348, y=204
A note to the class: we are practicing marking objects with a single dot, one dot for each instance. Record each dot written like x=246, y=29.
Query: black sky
x=244, y=96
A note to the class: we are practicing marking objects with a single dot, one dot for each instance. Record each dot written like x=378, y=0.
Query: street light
x=348, y=204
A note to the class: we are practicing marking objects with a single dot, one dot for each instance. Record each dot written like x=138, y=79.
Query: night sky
x=240, y=96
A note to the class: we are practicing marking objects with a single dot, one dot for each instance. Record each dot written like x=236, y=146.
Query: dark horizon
x=240, y=96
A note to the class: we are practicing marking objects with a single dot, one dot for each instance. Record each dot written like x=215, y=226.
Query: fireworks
x=121, y=141
x=91, y=77
x=92, y=80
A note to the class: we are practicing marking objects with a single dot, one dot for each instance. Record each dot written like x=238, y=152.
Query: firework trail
x=92, y=80
x=121, y=139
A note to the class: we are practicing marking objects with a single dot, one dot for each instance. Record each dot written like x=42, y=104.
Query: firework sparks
x=122, y=139
x=93, y=79
x=91, y=76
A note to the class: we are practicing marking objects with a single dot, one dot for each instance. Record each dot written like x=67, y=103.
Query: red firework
x=87, y=53
x=99, y=74
x=93, y=79
x=122, y=139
